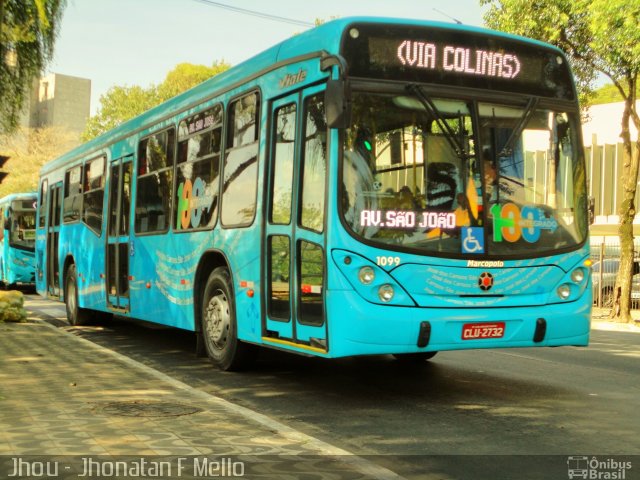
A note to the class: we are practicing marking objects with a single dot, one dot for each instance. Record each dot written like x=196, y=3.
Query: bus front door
x=117, y=251
x=54, y=202
x=294, y=246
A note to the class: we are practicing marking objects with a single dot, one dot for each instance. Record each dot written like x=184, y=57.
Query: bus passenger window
x=280, y=284
x=240, y=177
x=311, y=287
x=92, y=206
x=42, y=211
x=314, y=166
x=198, y=172
x=155, y=182
x=284, y=151
x=72, y=195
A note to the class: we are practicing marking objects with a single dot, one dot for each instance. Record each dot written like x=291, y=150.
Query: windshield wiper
x=427, y=102
x=507, y=150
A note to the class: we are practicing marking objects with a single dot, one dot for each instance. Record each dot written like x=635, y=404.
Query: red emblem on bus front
x=485, y=281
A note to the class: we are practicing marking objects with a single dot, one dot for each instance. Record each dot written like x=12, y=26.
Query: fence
x=605, y=254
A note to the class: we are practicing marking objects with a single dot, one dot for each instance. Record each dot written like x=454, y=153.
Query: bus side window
x=283, y=159
x=198, y=170
x=42, y=212
x=155, y=182
x=311, y=283
x=93, y=204
x=72, y=195
x=240, y=184
x=314, y=167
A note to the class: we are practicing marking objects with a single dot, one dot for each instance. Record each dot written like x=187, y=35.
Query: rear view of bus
x=17, y=239
x=461, y=194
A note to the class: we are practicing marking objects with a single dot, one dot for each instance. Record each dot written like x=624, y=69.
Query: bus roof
x=324, y=38
x=18, y=196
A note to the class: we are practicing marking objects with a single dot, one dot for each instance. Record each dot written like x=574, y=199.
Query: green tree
x=28, y=29
x=120, y=104
x=186, y=75
x=606, y=94
x=117, y=106
x=600, y=37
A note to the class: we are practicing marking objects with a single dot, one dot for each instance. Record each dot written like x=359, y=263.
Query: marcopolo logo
x=594, y=468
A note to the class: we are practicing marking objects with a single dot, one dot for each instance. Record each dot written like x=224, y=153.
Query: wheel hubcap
x=218, y=319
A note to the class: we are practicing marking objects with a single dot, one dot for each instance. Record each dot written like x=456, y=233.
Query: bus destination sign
x=468, y=59
x=451, y=58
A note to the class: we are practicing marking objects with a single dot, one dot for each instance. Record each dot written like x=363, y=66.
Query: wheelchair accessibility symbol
x=472, y=240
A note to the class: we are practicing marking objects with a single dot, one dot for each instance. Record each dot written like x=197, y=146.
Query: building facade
x=58, y=101
x=605, y=156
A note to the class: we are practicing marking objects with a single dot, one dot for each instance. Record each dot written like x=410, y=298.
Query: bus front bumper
x=360, y=328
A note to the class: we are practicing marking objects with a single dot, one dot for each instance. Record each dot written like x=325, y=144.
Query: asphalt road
x=460, y=407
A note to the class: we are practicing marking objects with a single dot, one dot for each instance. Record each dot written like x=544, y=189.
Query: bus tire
x=219, y=324
x=76, y=316
x=414, y=357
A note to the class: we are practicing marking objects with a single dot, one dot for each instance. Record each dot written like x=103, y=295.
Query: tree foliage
x=122, y=103
x=606, y=94
x=600, y=37
x=29, y=149
x=186, y=75
x=28, y=30
x=117, y=106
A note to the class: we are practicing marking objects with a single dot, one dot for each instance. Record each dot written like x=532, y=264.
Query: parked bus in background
x=18, y=239
x=370, y=186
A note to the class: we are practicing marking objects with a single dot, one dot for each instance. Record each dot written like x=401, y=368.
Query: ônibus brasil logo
x=581, y=466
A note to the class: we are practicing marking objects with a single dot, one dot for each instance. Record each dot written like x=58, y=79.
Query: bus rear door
x=117, y=251
x=294, y=247
x=54, y=202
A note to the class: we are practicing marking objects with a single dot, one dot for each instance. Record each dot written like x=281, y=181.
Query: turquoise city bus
x=370, y=186
x=18, y=239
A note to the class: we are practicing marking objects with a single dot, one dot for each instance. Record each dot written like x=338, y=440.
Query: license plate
x=478, y=331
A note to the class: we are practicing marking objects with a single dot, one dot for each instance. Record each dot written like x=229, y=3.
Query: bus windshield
x=452, y=176
x=23, y=225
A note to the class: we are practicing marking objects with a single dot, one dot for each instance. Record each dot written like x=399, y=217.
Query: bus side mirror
x=592, y=210
x=337, y=104
x=7, y=224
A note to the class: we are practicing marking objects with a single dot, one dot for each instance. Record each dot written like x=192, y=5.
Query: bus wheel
x=75, y=315
x=219, y=326
x=414, y=357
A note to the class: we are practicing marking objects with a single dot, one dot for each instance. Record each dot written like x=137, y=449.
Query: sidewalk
x=600, y=321
x=63, y=395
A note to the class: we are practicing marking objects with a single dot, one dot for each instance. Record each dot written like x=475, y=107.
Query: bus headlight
x=386, y=293
x=564, y=291
x=366, y=275
x=372, y=282
x=578, y=275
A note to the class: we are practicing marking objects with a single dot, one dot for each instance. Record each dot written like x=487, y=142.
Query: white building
x=604, y=156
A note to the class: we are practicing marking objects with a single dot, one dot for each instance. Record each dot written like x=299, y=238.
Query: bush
x=12, y=307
